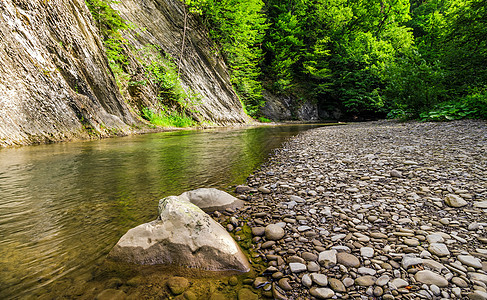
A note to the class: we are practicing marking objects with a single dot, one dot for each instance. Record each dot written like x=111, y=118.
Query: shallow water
x=64, y=206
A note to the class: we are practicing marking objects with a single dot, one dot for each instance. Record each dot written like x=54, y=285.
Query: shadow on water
x=64, y=206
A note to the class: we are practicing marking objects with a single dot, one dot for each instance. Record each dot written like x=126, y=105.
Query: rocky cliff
x=55, y=83
x=203, y=71
x=55, y=80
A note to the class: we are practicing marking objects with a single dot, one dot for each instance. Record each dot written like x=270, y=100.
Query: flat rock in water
x=177, y=285
x=246, y=294
x=210, y=199
x=111, y=294
x=183, y=235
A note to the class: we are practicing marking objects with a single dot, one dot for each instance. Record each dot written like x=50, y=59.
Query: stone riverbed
x=377, y=210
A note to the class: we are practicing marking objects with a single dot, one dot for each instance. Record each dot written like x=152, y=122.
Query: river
x=64, y=206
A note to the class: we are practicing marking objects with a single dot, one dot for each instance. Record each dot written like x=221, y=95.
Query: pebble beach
x=375, y=210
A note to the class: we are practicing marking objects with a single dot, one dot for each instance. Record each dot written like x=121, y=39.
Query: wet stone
x=177, y=285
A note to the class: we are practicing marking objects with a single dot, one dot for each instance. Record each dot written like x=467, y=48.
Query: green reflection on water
x=64, y=206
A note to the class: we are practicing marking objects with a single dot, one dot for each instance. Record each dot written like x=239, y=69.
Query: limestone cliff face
x=161, y=23
x=55, y=82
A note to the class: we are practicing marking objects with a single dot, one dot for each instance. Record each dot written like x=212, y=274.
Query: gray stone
x=366, y=271
x=274, y=232
x=258, y=231
x=399, y=283
x=439, y=249
x=480, y=204
x=313, y=266
x=429, y=277
x=297, y=267
x=435, y=289
x=183, y=235
x=478, y=277
x=395, y=173
x=322, y=293
x=240, y=189
x=383, y=280
x=210, y=199
x=296, y=199
x=455, y=200
x=410, y=260
x=367, y=252
x=319, y=279
x=435, y=238
x=328, y=258
x=306, y=280
x=470, y=261
x=478, y=295
x=348, y=282
x=433, y=265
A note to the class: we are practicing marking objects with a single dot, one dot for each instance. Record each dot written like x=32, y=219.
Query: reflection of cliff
x=55, y=82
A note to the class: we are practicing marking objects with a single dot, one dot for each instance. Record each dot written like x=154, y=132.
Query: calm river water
x=64, y=206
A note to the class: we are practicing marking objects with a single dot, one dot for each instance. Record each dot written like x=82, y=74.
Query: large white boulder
x=183, y=235
x=210, y=199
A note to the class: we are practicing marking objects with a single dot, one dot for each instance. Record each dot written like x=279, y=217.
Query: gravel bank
x=378, y=210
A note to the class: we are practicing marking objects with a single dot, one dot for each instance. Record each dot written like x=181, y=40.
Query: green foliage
x=414, y=84
x=447, y=111
x=111, y=25
x=162, y=71
x=400, y=58
x=108, y=20
x=167, y=118
x=264, y=120
x=238, y=26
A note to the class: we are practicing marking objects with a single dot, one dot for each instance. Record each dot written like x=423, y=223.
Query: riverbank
x=377, y=209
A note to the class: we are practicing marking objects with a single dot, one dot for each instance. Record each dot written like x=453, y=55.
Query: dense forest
x=371, y=59
x=397, y=58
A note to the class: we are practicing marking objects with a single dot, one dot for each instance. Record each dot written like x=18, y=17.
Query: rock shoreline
x=377, y=210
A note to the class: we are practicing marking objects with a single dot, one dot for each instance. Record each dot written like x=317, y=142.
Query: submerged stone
x=183, y=235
